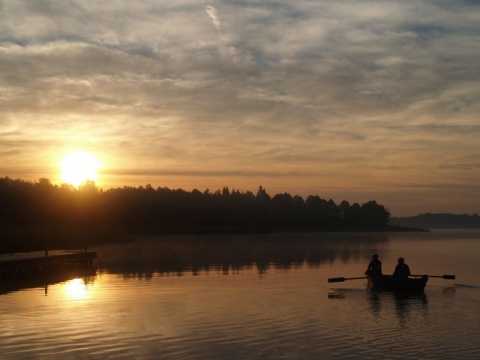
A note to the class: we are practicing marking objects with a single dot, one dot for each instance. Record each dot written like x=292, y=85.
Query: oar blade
x=339, y=279
x=448, y=277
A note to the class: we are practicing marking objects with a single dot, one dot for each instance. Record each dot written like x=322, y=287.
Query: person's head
x=375, y=256
x=401, y=260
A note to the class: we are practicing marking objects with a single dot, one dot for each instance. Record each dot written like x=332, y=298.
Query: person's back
x=402, y=271
x=374, y=267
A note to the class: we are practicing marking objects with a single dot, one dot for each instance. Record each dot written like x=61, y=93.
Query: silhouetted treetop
x=26, y=203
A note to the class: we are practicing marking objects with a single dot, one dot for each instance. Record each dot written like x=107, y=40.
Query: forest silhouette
x=41, y=204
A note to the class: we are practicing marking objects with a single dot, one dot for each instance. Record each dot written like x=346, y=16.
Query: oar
x=341, y=279
x=448, y=277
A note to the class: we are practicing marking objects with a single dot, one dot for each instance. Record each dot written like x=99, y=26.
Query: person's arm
x=368, y=268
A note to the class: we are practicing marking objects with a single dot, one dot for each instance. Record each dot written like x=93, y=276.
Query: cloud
x=212, y=13
x=302, y=87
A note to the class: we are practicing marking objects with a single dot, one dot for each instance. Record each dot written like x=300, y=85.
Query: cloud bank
x=349, y=100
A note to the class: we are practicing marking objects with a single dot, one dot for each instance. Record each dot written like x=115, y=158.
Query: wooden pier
x=39, y=263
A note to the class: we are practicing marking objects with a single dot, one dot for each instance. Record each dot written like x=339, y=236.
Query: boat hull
x=390, y=283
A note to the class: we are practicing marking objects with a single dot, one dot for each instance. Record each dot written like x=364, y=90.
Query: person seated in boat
x=374, y=268
x=402, y=271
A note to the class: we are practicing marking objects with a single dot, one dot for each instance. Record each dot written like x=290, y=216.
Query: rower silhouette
x=374, y=268
x=402, y=271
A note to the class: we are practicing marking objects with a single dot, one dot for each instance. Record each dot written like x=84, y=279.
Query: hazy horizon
x=351, y=101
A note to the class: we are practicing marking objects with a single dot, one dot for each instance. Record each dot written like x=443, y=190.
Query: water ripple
x=242, y=316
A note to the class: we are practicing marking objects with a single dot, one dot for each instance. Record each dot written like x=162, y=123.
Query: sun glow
x=78, y=167
x=76, y=289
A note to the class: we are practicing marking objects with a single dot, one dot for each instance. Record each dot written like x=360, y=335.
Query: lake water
x=253, y=297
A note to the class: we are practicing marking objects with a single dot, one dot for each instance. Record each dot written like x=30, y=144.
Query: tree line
x=439, y=221
x=25, y=203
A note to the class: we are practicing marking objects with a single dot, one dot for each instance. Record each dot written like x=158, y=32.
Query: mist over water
x=270, y=302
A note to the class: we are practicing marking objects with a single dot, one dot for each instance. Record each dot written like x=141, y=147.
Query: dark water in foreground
x=251, y=309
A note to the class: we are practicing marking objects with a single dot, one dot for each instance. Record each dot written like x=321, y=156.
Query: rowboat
x=413, y=284
x=391, y=283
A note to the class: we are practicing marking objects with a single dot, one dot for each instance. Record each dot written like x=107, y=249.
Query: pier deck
x=39, y=262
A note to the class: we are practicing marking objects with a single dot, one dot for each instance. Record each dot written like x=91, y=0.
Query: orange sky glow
x=356, y=101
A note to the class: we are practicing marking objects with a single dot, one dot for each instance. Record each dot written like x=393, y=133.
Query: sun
x=79, y=166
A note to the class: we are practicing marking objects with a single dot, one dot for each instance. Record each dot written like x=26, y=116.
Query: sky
x=348, y=100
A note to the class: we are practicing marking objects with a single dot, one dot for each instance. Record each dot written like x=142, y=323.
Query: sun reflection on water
x=76, y=289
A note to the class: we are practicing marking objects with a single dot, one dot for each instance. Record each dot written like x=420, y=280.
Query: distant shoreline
x=271, y=230
x=30, y=238
x=438, y=221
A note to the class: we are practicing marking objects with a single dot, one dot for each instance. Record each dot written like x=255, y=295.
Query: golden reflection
x=76, y=289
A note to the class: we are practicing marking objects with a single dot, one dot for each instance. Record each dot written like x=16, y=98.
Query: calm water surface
x=267, y=305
